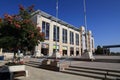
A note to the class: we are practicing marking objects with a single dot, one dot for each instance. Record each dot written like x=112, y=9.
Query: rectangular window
x=64, y=36
x=77, y=39
x=43, y=26
x=56, y=33
x=45, y=29
x=71, y=38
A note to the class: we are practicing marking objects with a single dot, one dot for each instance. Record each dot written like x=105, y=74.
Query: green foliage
x=14, y=63
x=19, y=31
x=99, y=50
x=104, y=51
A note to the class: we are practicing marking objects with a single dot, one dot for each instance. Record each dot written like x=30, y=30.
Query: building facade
x=61, y=36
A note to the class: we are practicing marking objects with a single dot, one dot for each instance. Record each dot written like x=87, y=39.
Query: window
x=64, y=36
x=71, y=38
x=71, y=51
x=77, y=39
x=45, y=29
x=56, y=33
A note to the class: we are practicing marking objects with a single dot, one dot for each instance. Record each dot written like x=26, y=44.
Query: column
x=74, y=51
x=50, y=49
x=74, y=43
x=68, y=42
x=80, y=44
x=0, y=51
x=39, y=24
x=60, y=39
x=39, y=48
x=51, y=39
x=93, y=50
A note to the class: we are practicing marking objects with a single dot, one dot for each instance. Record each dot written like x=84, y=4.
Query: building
x=66, y=38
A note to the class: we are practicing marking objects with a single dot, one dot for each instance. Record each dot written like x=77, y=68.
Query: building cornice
x=48, y=16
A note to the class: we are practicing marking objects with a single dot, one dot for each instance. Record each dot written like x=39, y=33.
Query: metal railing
x=63, y=61
x=40, y=60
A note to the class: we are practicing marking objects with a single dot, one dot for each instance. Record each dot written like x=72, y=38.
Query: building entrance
x=45, y=49
x=71, y=51
x=77, y=51
x=55, y=48
x=64, y=50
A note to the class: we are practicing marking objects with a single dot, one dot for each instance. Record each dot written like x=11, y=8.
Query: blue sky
x=103, y=16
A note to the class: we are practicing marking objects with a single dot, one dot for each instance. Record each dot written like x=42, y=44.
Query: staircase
x=60, y=65
x=94, y=72
x=103, y=74
x=33, y=64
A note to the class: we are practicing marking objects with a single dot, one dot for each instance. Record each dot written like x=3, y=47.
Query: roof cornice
x=48, y=16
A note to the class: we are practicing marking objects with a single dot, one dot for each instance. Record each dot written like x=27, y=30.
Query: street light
x=56, y=27
x=85, y=24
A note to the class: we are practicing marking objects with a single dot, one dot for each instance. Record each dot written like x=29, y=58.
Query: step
x=84, y=74
x=93, y=72
x=97, y=70
x=87, y=71
x=32, y=63
x=93, y=75
x=113, y=74
x=108, y=60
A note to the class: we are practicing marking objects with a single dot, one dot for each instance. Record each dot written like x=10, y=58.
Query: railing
x=40, y=60
x=63, y=61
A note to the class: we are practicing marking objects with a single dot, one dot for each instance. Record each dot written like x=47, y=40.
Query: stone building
x=61, y=36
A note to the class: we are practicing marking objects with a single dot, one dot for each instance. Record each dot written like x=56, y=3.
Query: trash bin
x=1, y=57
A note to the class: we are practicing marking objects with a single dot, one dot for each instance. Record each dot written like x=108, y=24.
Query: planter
x=1, y=57
x=54, y=63
x=46, y=62
x=16, y=68
x=9, y=72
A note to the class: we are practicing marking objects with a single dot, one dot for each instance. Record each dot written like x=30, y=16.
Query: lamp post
x=56, y=27
x=87, y=53
x=85, y=24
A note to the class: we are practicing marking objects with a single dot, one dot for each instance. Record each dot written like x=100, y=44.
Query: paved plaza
x=100, y=65
x=41, y=74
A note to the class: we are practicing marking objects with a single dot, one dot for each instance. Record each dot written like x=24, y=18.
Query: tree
x=19, y=31
x=99, y=50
